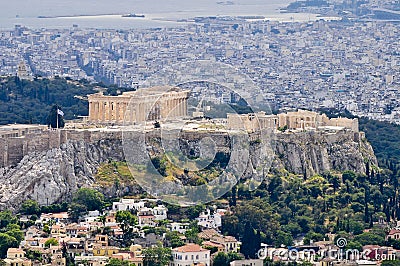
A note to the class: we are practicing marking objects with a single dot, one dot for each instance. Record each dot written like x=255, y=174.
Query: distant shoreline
x=77, y=16
x=92, y=15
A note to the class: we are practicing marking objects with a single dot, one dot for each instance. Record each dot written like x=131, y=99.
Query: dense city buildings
x=307, y=65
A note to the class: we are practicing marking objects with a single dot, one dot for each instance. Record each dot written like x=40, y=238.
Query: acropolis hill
x=33, y=157
x=61, y=161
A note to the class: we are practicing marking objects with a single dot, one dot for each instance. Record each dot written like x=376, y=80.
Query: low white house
x=127, y=204
x=160, y=212
x=190, y=254
x=209, y=221
x=179, y=227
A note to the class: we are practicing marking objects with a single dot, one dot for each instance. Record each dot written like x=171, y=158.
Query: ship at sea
x=133, y=15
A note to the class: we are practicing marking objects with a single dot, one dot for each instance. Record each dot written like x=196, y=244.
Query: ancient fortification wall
x=12, y=150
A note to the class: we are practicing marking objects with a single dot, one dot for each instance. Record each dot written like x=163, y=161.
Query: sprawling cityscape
x=306, y=65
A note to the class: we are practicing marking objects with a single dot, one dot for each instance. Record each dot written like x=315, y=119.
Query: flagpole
x=57, y=118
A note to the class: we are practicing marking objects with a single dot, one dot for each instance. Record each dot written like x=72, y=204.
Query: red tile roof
x=190, y=248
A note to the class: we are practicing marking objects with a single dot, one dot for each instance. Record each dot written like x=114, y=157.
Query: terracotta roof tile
x=190, y=248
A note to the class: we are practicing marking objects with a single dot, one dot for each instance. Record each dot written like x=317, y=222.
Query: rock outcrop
x=54, y=175
x=310, y=153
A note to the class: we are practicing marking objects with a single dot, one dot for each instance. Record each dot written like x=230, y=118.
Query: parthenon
x=146, y=104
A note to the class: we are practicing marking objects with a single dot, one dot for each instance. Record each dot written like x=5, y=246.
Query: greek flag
x=59, y=112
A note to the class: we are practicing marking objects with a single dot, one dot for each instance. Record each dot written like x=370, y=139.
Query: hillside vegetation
x=29, y=102
x=383, y=136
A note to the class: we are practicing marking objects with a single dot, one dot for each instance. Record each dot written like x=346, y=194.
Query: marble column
x=90, y=110
x=125, y=117
x=114, y=111
x=176, y=107
x=109, y=111
x=97, y=113
x=185, y=107
x=92, y=114
x=166, y=108
x=106, y=112
x=170, y=107
x=101, y=111
x=131, y=114
x=179, y=108
x=138, y=112
x=117, y=112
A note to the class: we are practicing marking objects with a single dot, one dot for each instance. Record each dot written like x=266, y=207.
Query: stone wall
x=14, y=149
x=70, y=158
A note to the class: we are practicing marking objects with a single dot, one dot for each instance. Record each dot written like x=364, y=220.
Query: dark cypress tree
x=46, y=94
x=366, y=200
x=232, y=202
x=249, y=248
x=52, y=118
x=387, y=212
x=367, y=169
x=371, y=222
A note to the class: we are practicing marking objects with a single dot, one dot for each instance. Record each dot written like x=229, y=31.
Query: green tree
x=334, y=180
x=394, y=243
x=194, y=211
x=6, y=242
x=46, y=229
x=174, y=239
x=51, y=242
x=250, y=244
x=313, y=236
x=370, y=239
x=76, y=211
x=91, y=198
x=157, y=256
x=192, y=234
x=283, y=238
x=30, y=207
x=224, y=259
x=348, y=175
x=15, y=231
x=352, y=245
x=6, y=218
x=34, y=255
x=126, y=218
x=390, y=263
x=117, y=262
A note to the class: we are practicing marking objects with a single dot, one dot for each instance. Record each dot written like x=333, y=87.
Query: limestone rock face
x=313, y=153
x=54, y=175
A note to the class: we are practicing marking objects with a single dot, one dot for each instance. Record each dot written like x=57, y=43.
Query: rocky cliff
x=53, y=175
x=311, y=153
